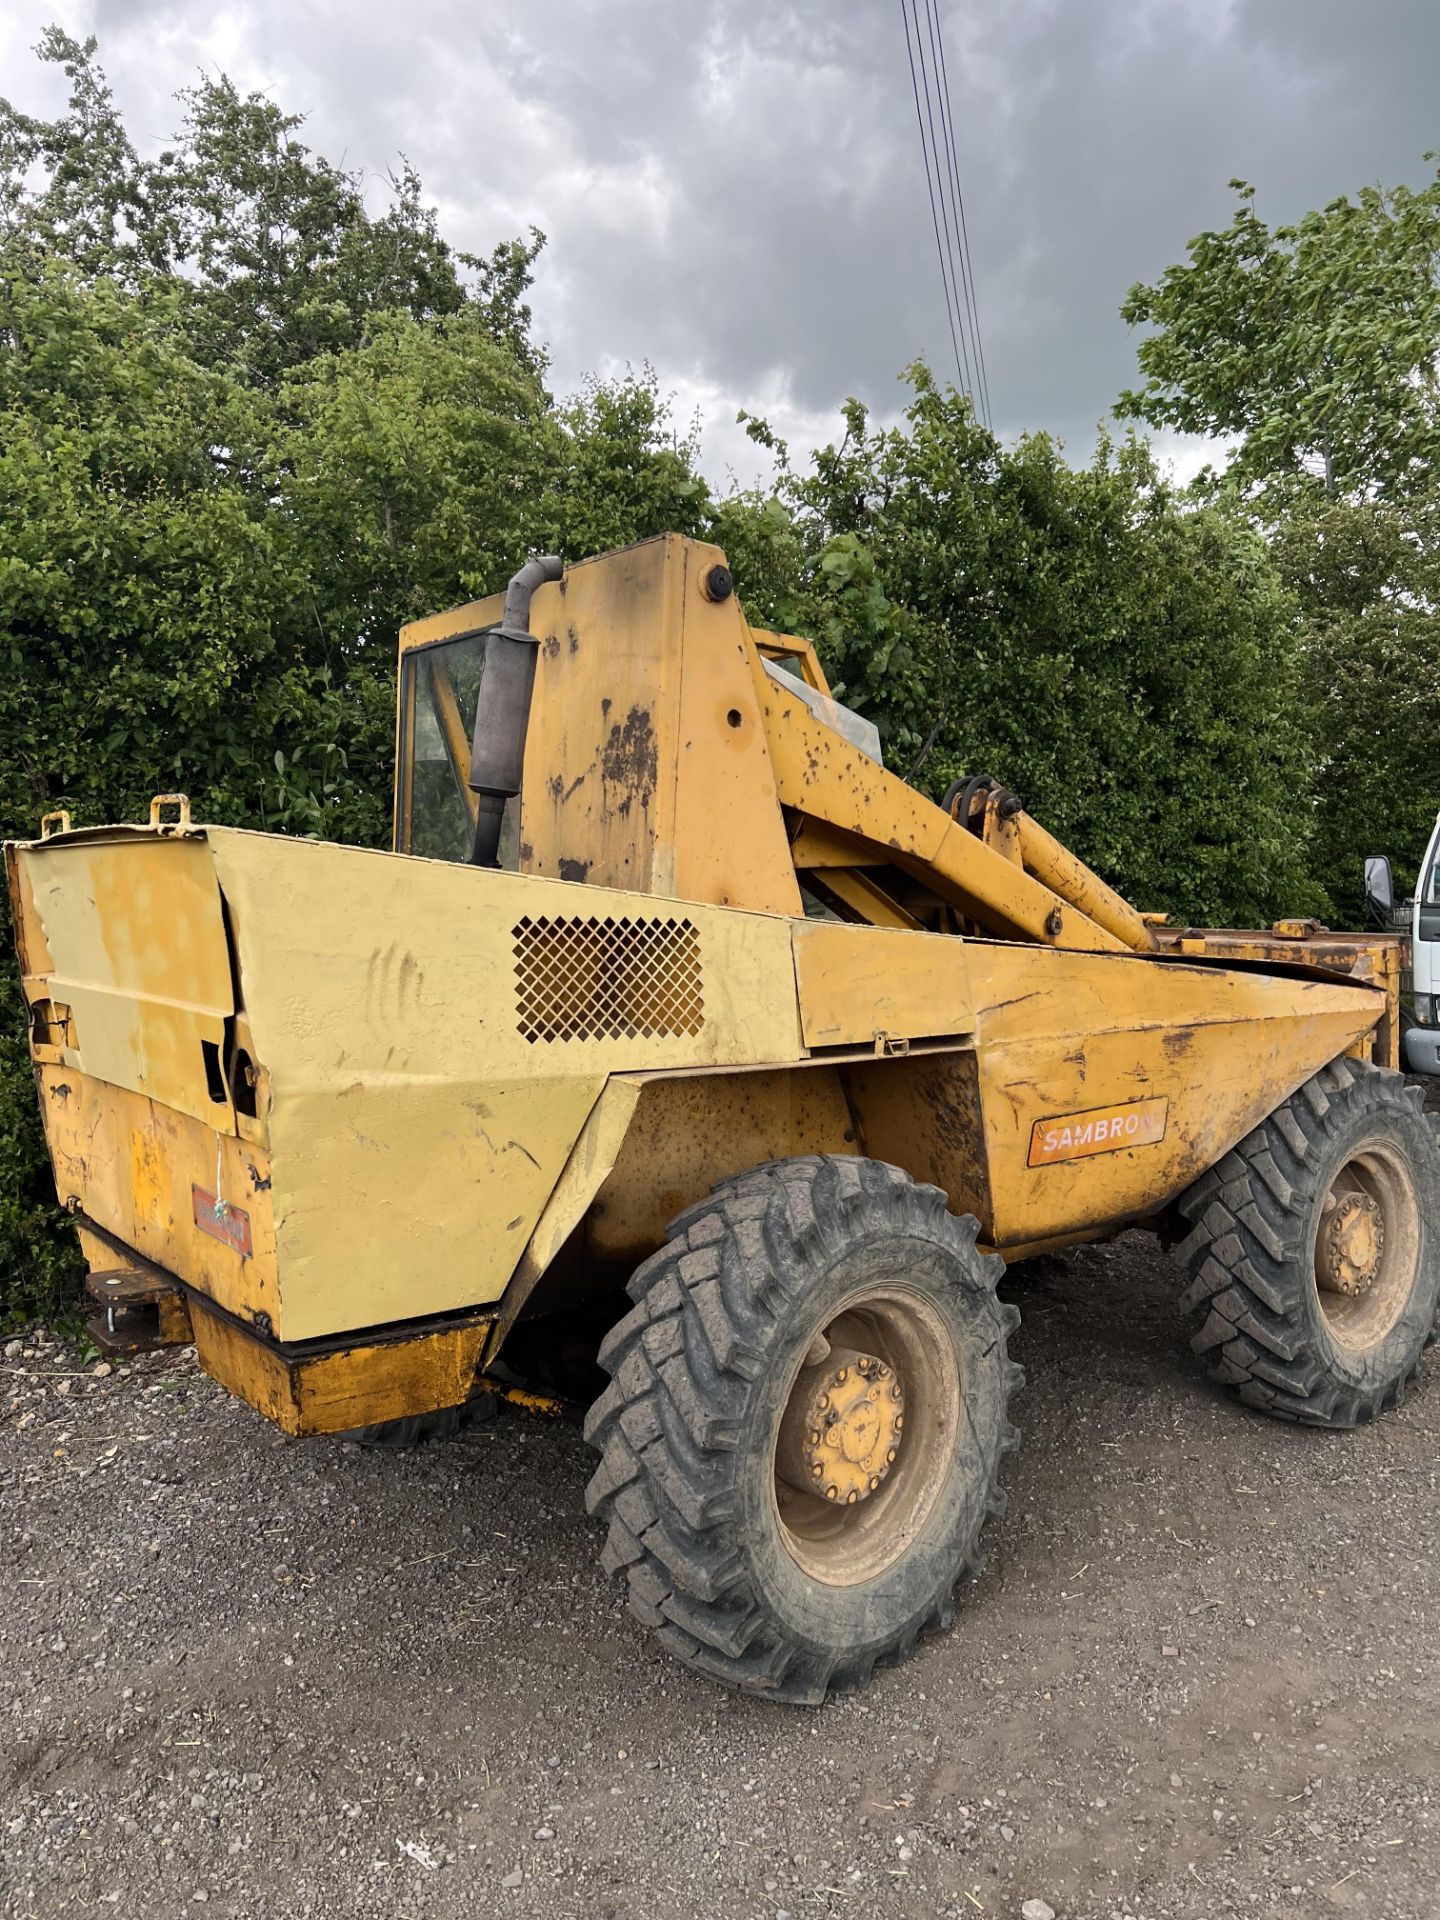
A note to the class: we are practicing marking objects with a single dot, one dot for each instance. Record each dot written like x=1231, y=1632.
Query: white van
x=1422, y=917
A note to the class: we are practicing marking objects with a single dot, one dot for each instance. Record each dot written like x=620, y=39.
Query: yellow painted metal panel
x=30, y=944
x=588, y=1167
x=416, y=1133
x=132, y=1164
x=1066, y=1033
x=598, y=800
x=857, y=982
x=455, y=620
x=1377, y=958
x=730, y=840
x=690, y=1130
x=421, y=1194
x=334, y=1392
x=922, y=1112
x=136, y=949
x=1069, y=1034
x=656, y=1142
x=646, y=764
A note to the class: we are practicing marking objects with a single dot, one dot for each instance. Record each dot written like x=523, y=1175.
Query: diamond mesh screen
x=607, y=979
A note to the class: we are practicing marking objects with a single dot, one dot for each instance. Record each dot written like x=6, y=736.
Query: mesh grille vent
x=607, y=979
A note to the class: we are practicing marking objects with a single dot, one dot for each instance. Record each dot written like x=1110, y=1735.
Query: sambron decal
x=1073, y=1136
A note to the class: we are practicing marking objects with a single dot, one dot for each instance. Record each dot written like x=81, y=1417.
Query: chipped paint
x=630, y=762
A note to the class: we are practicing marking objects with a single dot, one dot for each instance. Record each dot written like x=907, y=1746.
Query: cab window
x=439, y=692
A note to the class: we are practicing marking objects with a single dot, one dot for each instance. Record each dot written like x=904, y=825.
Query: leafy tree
x=73, y=187
x=1315, y=347
x=1122, y=659
x=286, y=260
x=1366, y=576
x=273, y=246
x=1314, y=343
x=245, y=431
x=137, y=589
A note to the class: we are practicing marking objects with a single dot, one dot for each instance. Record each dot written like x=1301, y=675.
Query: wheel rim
x=883, y=1435
x=1367, y=1245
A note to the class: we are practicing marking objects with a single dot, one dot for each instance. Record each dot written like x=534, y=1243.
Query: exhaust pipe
x=502, y=714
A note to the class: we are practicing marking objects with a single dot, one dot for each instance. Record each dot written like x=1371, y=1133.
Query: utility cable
x=948, y=114
x=951, y=239
x=945, y=173
x=930, y=188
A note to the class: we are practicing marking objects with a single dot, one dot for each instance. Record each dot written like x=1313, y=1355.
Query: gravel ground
x=257, y=1677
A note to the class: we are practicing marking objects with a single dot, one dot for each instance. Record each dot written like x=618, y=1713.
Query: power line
x=930, y=188
x=946, y=219
x=942, y=178
x=974, y=305
x=958, y=272
x=945, y=173
x=959, y=267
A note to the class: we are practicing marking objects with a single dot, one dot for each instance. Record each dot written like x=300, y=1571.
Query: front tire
x=804, y=1427
x=1313, y=1252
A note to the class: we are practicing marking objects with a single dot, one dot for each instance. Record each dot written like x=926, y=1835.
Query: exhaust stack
x=502, y=715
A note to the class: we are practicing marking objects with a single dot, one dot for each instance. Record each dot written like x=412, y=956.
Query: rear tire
x=805, y=1424
x=1314, y=1254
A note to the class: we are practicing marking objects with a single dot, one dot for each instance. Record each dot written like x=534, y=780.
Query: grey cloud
x=734, y=191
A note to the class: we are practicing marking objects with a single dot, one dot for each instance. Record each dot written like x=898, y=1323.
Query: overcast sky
x=735, y=193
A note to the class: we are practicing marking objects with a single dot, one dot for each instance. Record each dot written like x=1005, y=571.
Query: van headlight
x=1425, y=1009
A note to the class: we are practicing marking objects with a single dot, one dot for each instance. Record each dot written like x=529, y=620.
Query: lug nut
x=889, y=1458
x=874, y=1481
x=816, y=1471
x=851, y=1497
x=831, y=1492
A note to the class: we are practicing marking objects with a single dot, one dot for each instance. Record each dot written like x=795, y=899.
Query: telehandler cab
x=668, y=978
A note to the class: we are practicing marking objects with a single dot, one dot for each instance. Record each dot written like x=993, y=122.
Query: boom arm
x=1037, y=890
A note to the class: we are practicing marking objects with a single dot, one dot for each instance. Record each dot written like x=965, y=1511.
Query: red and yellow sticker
x=1074, y=1136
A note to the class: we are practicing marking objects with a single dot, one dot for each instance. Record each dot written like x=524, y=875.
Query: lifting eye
x=732, y=718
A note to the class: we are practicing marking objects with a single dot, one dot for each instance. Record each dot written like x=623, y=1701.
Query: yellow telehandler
x=668, y=980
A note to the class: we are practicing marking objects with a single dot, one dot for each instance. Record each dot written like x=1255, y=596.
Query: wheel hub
x=1350, y=1245
x=844, y=1427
